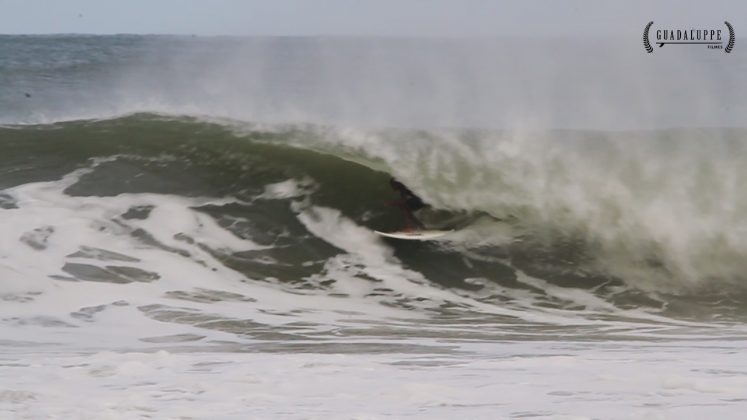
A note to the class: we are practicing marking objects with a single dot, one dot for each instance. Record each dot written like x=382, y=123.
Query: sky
x=418, y=18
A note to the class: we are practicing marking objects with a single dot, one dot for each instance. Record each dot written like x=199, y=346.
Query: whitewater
x=187, y=229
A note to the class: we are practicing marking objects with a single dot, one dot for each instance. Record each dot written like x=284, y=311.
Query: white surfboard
x=415, y=235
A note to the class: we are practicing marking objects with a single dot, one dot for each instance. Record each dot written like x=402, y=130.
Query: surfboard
x=415, y=235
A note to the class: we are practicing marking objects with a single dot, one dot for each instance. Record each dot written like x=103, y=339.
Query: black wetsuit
x=409, y=202
x=412, y=201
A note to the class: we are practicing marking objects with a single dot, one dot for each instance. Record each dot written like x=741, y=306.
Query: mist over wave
x=372, y=82
x=660, y=208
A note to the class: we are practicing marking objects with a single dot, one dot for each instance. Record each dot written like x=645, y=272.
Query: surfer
x=408, y=202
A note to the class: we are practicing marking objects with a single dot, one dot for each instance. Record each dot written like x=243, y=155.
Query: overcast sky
x=447, y=18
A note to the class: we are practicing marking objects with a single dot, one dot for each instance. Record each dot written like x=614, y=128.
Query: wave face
x=583, y=221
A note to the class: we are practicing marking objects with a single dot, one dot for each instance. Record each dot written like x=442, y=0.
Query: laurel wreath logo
x=647, y=44
x=730, y=45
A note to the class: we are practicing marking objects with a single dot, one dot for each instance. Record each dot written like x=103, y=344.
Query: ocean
x=187, y=229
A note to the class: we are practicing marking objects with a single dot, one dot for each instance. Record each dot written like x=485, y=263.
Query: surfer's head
x=396, y=185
